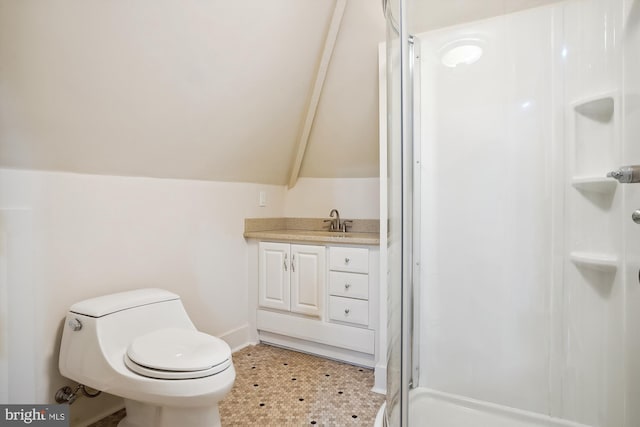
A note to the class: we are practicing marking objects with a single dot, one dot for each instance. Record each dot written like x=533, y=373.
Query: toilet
x=142, y=346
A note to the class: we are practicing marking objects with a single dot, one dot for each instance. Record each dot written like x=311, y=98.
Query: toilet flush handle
x=75, y=324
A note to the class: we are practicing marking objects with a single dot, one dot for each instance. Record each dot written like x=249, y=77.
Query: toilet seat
x=174, y=353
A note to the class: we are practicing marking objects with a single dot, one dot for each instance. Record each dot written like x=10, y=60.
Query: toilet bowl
x=142, y=346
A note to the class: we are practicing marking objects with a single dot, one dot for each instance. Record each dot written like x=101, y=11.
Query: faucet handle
x=626, y=174
x=331, y=224
x=346, y=223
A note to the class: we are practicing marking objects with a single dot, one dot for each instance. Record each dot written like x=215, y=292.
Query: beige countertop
x=364, y=232
x=316, y=236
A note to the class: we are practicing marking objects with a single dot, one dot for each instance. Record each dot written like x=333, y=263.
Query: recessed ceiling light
x=461, y=52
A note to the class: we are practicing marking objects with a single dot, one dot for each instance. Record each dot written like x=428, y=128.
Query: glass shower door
x=398, y=340
x=528, y=259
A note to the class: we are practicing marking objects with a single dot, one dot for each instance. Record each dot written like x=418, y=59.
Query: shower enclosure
x=513, y=291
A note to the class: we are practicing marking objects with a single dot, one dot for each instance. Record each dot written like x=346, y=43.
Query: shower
x=513, y=294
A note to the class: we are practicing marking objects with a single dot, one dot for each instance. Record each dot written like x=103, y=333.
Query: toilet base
x=140, y=414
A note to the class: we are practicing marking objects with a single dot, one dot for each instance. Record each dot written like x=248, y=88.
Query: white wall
x=315, y=197
x=93, y=235
x=20, y=308
x=65, y=237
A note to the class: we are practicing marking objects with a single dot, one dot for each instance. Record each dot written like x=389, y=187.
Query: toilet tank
x=97, y=331
x=114, y=303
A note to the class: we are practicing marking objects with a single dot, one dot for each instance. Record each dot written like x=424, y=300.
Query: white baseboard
x=237, y=338
x=380, y=383
x=100, y=415
x=360, y=340
x=310, y=347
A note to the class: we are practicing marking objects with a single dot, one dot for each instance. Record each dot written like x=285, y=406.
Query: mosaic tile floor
x=278, y=387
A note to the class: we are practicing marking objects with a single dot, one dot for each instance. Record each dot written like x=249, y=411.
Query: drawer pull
x=347, y=286
x=349, y=310
x=347, y=260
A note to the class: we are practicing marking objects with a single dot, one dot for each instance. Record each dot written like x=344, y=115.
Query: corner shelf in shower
x=598, y=107
x=594, y=123
x=596, y=184
x=595, y=260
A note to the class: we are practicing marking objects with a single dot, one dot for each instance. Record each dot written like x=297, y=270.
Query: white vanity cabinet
x=291, y=277
x=316, y=298
x=349, y=285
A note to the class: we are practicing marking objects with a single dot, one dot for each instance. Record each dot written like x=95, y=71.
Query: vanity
x=315, y=290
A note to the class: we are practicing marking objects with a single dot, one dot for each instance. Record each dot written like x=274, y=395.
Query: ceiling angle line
x=321, y=74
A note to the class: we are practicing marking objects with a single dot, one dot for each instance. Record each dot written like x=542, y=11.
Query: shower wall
x=631, y=154
x=590, y=355
x=522, y=297
x=488, y=198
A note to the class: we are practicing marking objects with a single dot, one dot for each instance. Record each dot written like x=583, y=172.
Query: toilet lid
x=178, y=353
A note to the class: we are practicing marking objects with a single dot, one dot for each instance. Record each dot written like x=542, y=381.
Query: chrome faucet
x=335, y=222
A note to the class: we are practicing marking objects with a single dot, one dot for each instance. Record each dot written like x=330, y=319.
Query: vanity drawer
x=355, y=260
x=349, y=310
x=352, y=285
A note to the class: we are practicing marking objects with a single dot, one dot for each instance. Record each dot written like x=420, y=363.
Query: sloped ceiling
x=424, y=15
x=197, y=89
x=346, y=124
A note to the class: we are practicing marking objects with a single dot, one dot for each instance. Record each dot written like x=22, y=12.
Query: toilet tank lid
x=107, y=304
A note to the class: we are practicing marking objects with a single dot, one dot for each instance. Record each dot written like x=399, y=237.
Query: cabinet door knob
x=346, y=311
x=347, y=260
x=347, y=285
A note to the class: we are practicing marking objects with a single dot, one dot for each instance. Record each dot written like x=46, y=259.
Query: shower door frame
x=405, y=284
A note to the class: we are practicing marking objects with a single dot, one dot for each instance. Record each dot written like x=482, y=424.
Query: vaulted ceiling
x=424, y=15
x=198, y=89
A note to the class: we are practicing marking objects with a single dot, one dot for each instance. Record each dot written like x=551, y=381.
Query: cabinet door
x=307, y=279
x=274, y=283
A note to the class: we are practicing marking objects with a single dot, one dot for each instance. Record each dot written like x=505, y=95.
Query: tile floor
x=278, y=387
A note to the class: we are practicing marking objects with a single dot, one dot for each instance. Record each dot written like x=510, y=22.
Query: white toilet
x=141, y=345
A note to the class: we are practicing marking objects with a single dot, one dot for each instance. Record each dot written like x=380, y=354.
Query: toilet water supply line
x=68, y=395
